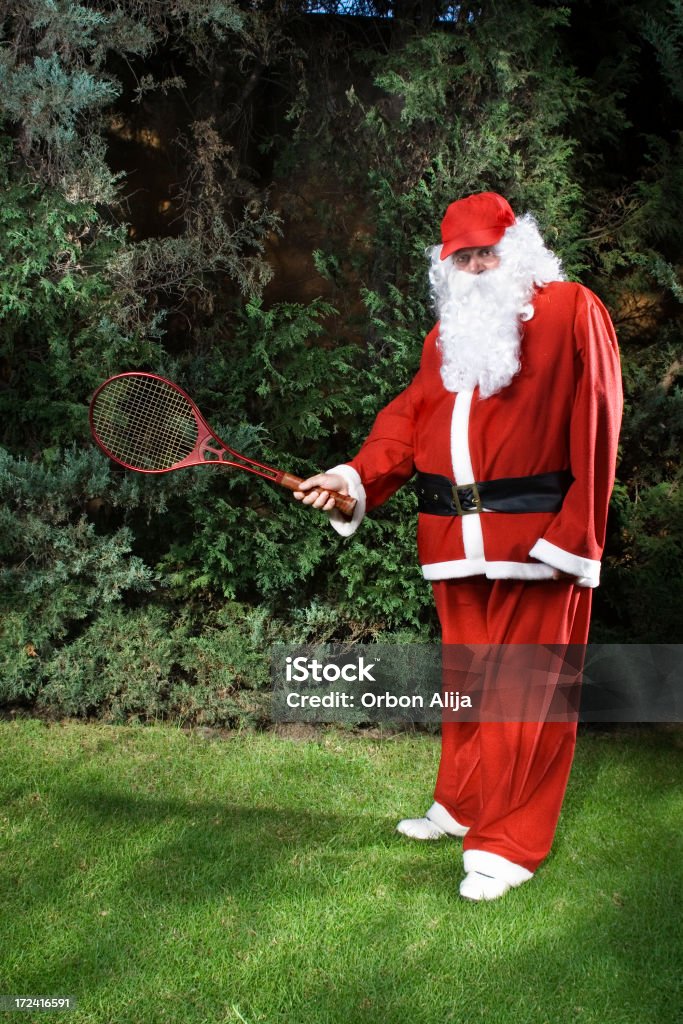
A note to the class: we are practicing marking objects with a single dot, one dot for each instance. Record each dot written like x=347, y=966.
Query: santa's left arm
x=574, y=541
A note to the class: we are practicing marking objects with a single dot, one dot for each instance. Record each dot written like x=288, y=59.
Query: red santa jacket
x=562, y=411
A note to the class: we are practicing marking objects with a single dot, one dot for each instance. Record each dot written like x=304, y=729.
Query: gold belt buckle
x=474, y=489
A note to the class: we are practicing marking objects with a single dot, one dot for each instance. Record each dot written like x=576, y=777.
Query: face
x=476, y=259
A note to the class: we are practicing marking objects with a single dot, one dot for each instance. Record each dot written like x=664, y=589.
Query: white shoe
x=476, y=886
x=436, y=823
x=489, y=876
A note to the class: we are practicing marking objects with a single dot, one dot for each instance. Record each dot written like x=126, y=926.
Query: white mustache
x=486, y=285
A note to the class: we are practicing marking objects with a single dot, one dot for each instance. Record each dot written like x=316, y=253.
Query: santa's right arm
x=385, y=461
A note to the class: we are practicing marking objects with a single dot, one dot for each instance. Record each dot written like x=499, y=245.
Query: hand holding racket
x=322, y=491
x=150, y=425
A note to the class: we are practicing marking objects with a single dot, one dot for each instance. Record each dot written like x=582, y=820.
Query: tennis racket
x=150, y=425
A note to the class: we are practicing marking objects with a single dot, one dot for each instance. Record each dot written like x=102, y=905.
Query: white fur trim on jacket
x=341, y=523
x=461, y=567
x=496, y=866
x=587, y=570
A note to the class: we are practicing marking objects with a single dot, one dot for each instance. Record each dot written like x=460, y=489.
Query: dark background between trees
x=238, y=196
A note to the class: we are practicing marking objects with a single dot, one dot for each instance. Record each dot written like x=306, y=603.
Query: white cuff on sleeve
x=344, y=526
x=587, y=570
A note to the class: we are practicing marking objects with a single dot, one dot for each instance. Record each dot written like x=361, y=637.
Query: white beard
x=481, y=315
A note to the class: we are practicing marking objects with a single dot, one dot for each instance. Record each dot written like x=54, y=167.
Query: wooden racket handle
x=343, y=502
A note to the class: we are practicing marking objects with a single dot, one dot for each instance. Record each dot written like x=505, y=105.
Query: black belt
x=439, y=496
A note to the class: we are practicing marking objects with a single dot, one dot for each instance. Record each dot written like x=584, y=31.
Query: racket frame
x=209, y=449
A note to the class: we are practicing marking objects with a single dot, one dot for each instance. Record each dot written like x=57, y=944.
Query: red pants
x=506, y=780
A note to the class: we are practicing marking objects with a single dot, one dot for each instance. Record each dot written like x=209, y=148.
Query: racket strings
x=145, y=423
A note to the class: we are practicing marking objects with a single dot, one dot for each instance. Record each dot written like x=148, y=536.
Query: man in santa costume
x=511, y=424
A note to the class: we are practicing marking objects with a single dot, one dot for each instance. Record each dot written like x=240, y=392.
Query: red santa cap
x=478, y=220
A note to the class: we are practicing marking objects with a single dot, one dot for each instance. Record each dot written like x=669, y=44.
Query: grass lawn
x=163, y=876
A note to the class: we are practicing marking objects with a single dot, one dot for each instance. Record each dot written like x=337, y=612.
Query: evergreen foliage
x=57, y=572
x=134, y=597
